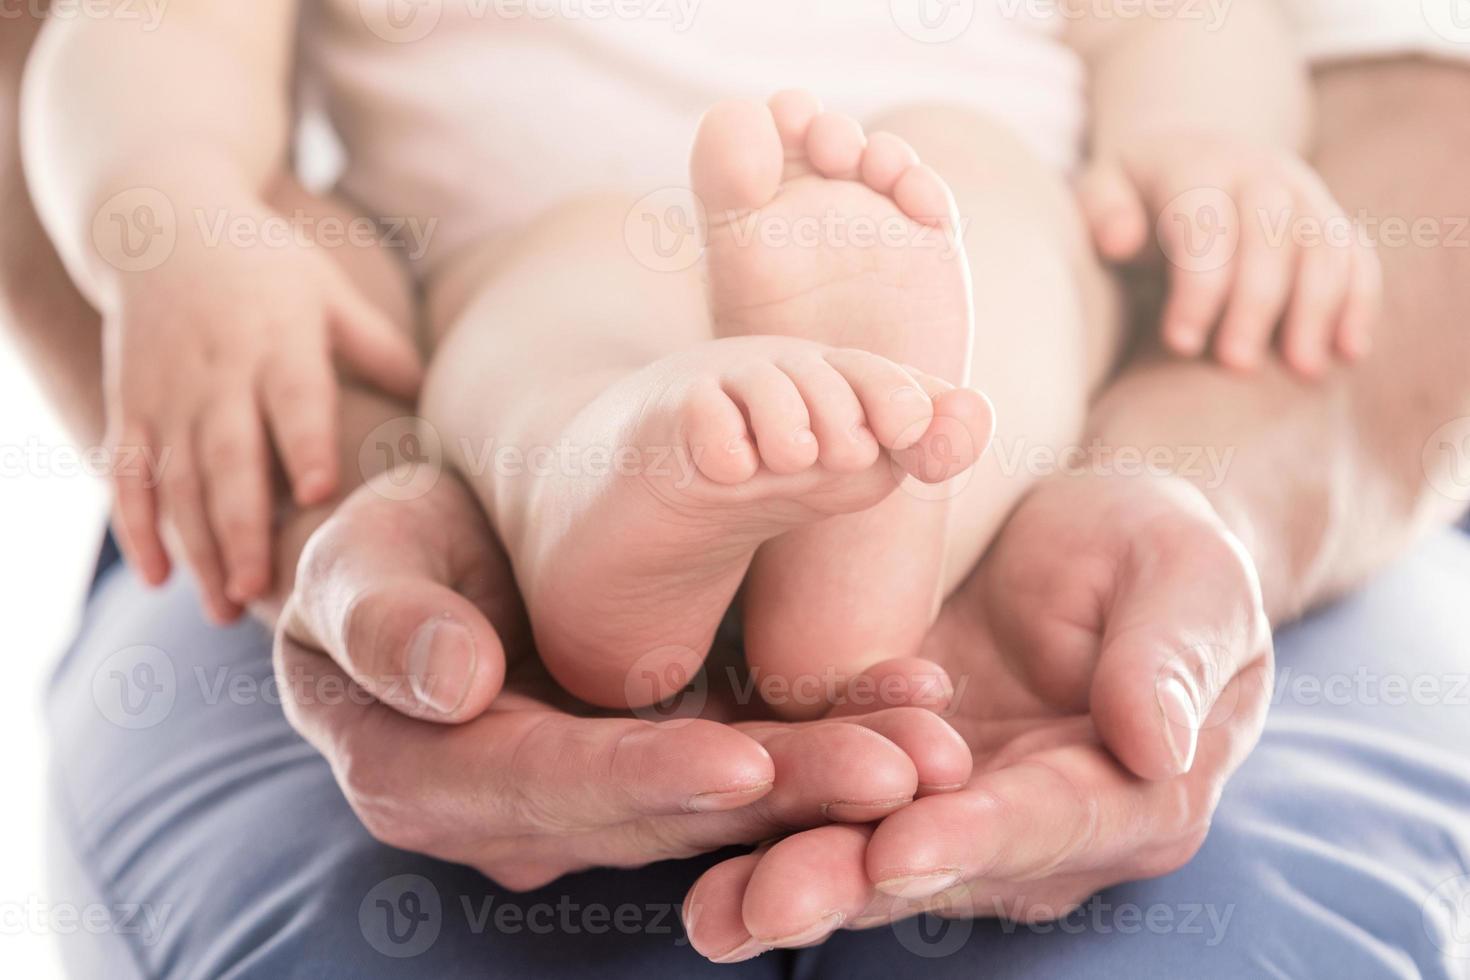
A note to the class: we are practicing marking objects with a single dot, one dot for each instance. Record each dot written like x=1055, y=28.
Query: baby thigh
x=1048, y=323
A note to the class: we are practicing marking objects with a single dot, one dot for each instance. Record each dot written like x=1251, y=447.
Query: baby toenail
x=738, y=445
x=908, y=393
x=804, y=437
x=861, y=433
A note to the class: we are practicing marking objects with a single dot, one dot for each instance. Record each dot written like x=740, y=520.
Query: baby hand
x=1254, y=241
x=202, y=355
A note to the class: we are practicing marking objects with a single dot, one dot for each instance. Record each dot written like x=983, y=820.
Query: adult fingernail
x=727, y=799
x=441, y=664
x=747, y=950
x=817, y=930
x=1181, y=721
x=919, y=885
x=857, y=811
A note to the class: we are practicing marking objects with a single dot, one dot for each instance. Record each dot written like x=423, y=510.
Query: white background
x=49, y=532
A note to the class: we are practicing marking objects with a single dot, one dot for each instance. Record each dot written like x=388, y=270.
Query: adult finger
x=807, y=886
x=712, y=912
x=1186, y=618
x=527, y=770
x=375, y=591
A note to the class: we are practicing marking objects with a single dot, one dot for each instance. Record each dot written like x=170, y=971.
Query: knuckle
x=293, y=388
x=1178, y=853
x=240, y=529
x=386, y=826
x=376, y=798
x=223, y=453
x=1270, y=186
x=180, y=480
x=1257, y=294
x=323, y=553
x=659, y=840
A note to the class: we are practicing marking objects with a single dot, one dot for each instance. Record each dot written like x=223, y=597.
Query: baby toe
x=835, y=144
x=923, y=195
x=778, y=417
x=737, y=157
x=716, y=437
x=886, y=159
x=793, y=111
x=896, y=408
x=845, y=443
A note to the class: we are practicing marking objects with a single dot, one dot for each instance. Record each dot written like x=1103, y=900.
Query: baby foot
x=818, y=231
x=627, y=573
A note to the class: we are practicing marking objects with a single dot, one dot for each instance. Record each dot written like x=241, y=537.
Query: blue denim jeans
x=215, y=843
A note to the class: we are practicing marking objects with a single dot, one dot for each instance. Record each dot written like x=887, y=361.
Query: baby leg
x=862, y=587
x=632, y=464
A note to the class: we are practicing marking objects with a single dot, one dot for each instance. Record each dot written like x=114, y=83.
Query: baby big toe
x=737, y=158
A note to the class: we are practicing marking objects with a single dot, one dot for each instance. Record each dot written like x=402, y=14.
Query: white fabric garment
x=483, y=113
x=1333, y=30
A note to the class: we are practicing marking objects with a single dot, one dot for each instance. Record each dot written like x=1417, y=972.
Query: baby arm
x=1199, y=115
x=149, y=152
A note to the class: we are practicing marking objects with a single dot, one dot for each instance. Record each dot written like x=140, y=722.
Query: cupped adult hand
x=1112, y=664
x=404, y=656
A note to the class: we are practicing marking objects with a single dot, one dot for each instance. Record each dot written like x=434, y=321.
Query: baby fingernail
x=909, y=395
x=441, y=664
x=918, y=886
x=1181, y=721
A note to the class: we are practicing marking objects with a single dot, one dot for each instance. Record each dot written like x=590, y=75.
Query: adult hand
x=1112, y=665
x=404, y=657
